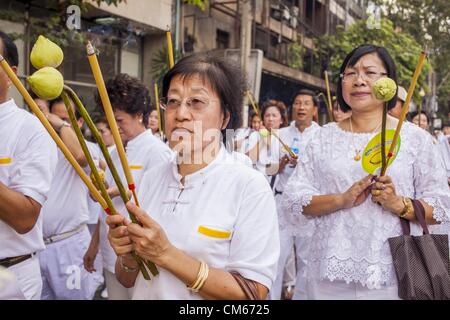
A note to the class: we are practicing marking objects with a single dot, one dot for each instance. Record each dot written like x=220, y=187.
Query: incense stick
x=405, y=109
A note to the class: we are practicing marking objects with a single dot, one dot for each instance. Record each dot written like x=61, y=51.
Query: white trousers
x=340, y=290
x=301, y=249
x=286, y=265
x=116, y=291
x=26, y=282
x=63, y=273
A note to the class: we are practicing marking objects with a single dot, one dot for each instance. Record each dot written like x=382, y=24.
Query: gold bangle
x=203, y=280
x=407, y=209
x=199, y=274
x=201, y=277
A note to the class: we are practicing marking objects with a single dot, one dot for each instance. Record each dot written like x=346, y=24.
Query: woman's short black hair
x=352, y=58
x=224, y=77
x=9, y=50
x=281, y=107
x=127, y=94
x=413, y=114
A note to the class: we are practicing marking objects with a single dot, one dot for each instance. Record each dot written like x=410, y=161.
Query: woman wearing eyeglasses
x=205, y=216
x=352, y=213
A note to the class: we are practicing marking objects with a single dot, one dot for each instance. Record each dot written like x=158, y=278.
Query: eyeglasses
x=369, y=76
x=193, y=103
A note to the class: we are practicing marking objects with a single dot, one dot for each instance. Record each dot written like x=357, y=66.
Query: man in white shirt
x=27, y=163
x=65, y=217
x=296, y=136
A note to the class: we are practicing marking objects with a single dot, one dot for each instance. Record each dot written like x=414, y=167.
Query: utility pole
x=246, y=26
x=177, y=25
x=346, y=14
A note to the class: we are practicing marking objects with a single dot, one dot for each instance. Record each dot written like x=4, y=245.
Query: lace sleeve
x=298, y=193
x=430, y=180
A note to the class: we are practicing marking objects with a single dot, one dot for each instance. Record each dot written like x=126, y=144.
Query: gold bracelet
x=407, y=209
x=203, y=280
x=201, y=277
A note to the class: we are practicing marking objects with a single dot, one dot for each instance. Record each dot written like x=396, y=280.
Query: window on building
x=222, y=39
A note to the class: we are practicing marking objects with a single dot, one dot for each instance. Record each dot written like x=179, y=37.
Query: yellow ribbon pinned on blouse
x=214, y=233
x=5, y=160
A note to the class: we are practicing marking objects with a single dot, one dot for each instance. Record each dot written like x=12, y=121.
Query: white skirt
x=340, y=290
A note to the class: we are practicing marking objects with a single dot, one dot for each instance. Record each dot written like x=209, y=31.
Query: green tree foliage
x=198, y=3
x=428, y=21
x=160, y=63
x=402, y=47
x=295, y=55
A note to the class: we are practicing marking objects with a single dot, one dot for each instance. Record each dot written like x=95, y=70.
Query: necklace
x=357, y=156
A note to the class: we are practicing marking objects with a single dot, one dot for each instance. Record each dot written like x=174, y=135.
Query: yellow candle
x=120, y=149
x=92, y=57
x=253, y=104
x=33, y=106
x=158, y=110
x=405, y=109
x=285, y=146
x=169, y=48
x=330, y=106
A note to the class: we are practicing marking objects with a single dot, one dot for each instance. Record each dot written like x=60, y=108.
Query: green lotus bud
x=46, y=53
x=47, y=83
x=384, y=89
x=264, y=133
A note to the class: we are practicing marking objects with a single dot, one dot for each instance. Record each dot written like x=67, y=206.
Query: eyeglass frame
x=164, y=105
x=365, y=78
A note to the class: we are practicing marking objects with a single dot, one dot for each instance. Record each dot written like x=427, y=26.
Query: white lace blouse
x=352, y=244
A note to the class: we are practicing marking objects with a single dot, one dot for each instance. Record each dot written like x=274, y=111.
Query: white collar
x=138, y=139
x=7, y=106
x=201, y=174
x=313, y=125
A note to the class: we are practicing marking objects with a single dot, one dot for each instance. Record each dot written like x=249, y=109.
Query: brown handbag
x=421, y=263
x=248, y=286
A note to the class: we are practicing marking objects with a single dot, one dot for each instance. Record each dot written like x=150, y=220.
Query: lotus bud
x=384, y=89
x=47, y=83
x=46, y=53
x=264, y=133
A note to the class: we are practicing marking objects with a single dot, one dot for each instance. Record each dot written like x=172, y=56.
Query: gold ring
x=376, y=192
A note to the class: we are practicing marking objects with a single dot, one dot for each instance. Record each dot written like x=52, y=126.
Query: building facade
x=126, y=36
x=283, y=29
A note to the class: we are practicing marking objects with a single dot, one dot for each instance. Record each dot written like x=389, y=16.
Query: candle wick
x=90, y=49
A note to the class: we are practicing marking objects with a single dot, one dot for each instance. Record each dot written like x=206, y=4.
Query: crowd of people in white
x=285, y=206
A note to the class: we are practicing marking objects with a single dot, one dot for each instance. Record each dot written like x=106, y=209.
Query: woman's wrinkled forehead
x=370, y=60
x=195, y=82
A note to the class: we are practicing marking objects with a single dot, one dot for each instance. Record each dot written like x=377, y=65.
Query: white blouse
x=351, y=244
x=224, y=214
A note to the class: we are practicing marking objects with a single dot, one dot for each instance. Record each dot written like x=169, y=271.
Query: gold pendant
x=357, y=157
